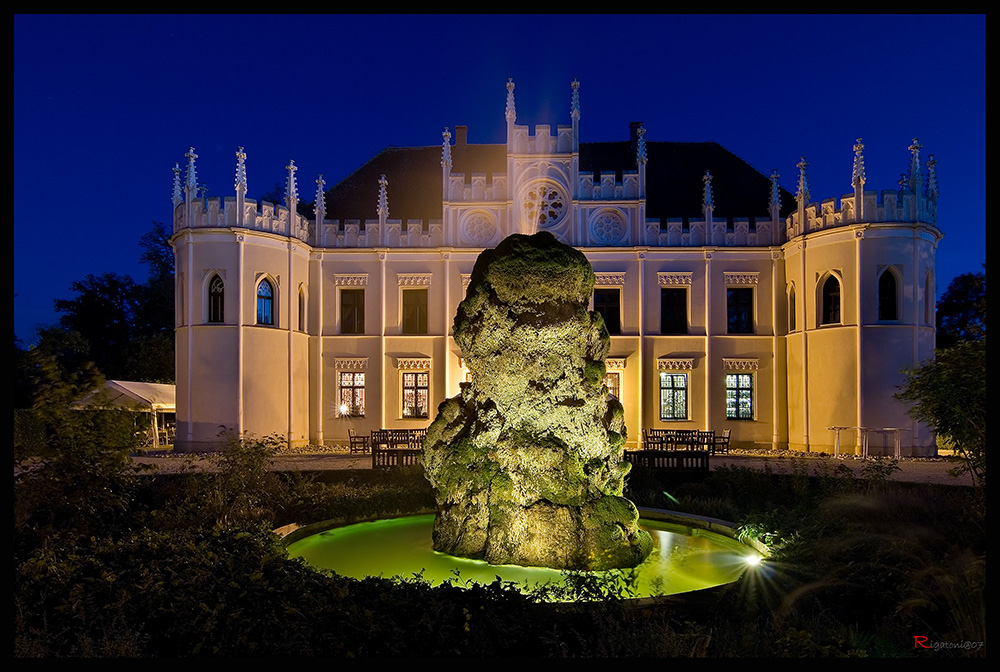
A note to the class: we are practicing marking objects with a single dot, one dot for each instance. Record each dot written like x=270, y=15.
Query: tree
x=949, y=394
x=961, y=313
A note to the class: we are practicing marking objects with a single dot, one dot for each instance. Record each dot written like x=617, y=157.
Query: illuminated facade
x=730, y=303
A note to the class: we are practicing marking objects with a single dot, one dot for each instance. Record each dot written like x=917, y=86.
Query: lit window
x=607, y=302
x=887, y=296
x=612, y=379
x=739, y=396
x=673, y=310
x=352, y=394
x=265, y=303
x=414, y=311
x=739, y=307
x=415, y=394
x=831, y=301
x=352, y=311
x=673, y=396
x=216, y=300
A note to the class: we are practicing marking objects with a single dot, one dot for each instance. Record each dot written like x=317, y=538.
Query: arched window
x=302, y=309
x=831, y=301
x=265, y=303
x=216, y=300
x=791, y=308
x=887, y=308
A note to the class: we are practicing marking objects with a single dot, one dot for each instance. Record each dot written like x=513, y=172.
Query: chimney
x=461, y=135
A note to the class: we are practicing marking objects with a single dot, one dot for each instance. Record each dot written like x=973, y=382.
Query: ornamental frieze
x=674, y=363
x=413, y=363
x=740, y=364
x=609, y=279
x=350, y=279
x=614, y=363
x=351, y=363
x=414, y=279
x=741, y=278
x=673, y=279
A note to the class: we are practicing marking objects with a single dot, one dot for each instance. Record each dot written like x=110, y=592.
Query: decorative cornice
x=671, y=278
x=616, y=279
x=351, y=363
x=740, y=364
x=674, y=363
x=740, y=278
x=413, y=363
x=350, y=279
x=414, y=279
x=615, y=363
x=466, y=279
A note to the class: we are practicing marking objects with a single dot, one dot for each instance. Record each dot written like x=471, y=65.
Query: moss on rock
x=527, y=461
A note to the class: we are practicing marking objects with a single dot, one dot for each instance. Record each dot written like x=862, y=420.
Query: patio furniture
x=359, y=444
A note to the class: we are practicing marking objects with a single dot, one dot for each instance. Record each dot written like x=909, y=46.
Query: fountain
x=685, y=557
x=526, y=461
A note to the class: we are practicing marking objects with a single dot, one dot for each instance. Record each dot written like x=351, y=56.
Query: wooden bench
x=669, y=460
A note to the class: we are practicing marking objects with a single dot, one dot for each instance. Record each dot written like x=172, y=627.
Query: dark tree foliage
x=128, y=326
x=949, y=394
x=961, y=313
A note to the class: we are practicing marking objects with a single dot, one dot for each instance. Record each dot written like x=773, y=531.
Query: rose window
x=543, y=204
x=607, y=227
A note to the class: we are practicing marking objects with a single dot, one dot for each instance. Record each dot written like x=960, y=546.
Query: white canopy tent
x=155, y=398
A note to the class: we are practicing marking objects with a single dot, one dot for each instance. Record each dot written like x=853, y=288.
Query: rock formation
x=527, y=460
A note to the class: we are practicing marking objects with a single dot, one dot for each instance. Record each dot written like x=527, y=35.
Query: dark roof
x=674, y=184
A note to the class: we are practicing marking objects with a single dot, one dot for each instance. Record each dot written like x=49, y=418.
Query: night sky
x=105, y=105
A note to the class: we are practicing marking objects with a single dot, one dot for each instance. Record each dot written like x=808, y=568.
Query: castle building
x=731, y=303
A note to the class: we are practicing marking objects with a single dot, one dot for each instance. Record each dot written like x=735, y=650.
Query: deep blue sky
x=104, y=106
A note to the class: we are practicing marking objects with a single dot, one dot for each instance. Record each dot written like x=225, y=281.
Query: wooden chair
x=705, y=440
x=359, y=444
x=380, y=440
x=721, y=444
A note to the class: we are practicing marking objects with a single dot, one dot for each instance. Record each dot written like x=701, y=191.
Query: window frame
x=739, y=315
x=216, y=301
x=604, y=309
x=353, y=381
x=741, y=390
x=673, y=390
x=831, y=303
x=677, y=313
x=357, y=311
x=880, y=294
x=406, y=322
x=267, y=313
x=410, y=381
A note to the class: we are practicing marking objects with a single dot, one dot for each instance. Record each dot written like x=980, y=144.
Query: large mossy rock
x=527, y=460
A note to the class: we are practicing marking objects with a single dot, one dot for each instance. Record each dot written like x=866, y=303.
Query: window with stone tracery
x=544, y=205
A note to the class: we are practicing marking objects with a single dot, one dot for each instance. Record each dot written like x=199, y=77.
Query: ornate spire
x=932, y=186
x=707, y=201
x=916, y=179
x=802, y=193
x=775, y=207
x=176, y=197
x=858, y=178
x=192, y=176
x=320, y=208
x=241, y=170
x=446, y=149
x=383, y=197
x=291, y=191
x=510, y=114
x=640, y=145
x=574, y=103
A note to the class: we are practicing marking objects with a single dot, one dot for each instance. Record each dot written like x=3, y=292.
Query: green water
x=683, y=559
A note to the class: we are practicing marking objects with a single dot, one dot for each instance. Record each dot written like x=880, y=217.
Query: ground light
x=684, y=558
